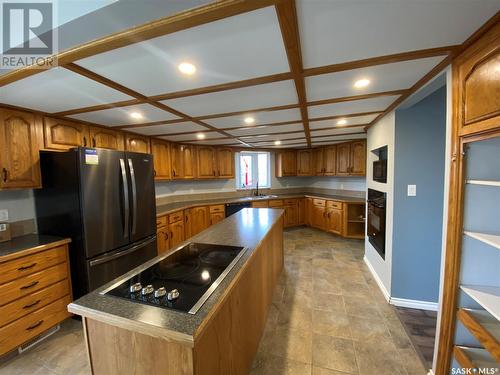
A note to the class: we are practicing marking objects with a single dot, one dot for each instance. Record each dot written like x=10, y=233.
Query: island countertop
x=246, y=228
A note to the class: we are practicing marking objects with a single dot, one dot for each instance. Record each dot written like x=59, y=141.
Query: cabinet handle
x=213, y=172
x=93, y=142
x=171, y=234
x=173, y=172
x=23, y=268
x=34, y=325
x=85, y=141
x=4, y=172
x=154, y=172
x=31, y=285
x=31, y=304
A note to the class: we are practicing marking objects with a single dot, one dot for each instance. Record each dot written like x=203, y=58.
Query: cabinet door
x=161, y=159
x=64, y=135
x=330, y=160
x=215, y=217
x=291, y=216
x=343, y=154
x=20, y=139
x=206, y=162
x=136, y=143
x=301, y=216
x=225, y=162
x=162, y=240
x=318, y=157
x=318, y=217
x=176, y=157
x=188, y=161
x=334, y=220
x=198, y=220
x=176, y=233
x=308, y=208
x=304, y=163
x=357, y=159
x=286, y=163
x=106, y=138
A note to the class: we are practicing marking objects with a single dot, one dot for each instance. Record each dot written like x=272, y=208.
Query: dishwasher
x=232, y=208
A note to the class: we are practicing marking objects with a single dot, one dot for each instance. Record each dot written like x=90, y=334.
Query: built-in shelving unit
x=489, y=239
x=486, y=296
x=356, y=220
x=471, y=358
x=484, y=327
x=484, y=182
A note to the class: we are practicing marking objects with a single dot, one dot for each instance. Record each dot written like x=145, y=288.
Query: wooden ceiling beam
x=287, y=17
x=357, y=97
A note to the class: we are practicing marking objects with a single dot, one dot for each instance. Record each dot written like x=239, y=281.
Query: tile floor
x=328, y=318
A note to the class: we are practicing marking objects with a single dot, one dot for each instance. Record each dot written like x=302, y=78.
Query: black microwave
x=380, y=170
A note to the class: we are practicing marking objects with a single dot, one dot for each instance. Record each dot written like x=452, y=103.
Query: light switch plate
x=412, y=190
x=4, y=215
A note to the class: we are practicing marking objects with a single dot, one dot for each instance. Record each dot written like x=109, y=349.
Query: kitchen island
x=126, y=337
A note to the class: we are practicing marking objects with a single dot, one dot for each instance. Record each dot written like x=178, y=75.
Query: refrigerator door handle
x=134, y=195
x=125, y=198
x=119, y=254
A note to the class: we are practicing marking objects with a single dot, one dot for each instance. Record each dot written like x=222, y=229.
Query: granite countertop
x=246, y=228
x=172, y=207
x=17, y=247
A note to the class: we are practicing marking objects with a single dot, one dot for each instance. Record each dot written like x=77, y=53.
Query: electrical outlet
x=4, y=215
x=412, y=190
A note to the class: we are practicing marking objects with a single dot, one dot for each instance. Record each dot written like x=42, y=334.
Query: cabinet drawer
x=218, y=208
x=162, y=220
x=334, y=204
x=27, y=304
x=275, y=203
x=290, y=202
x=31, y=283
x=31, y=325
x=319, y=202
x=27, y=265
x=176, y=216
x=260, y=204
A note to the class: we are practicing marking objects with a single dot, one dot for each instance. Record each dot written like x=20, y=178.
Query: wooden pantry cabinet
x=20, y=141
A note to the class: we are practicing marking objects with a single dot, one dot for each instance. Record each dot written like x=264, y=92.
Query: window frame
x=255, y=169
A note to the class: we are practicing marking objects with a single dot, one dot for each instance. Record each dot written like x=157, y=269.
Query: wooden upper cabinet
x=304, y=163
x=476, y=78
x=343, y=154
x=330, y=160
x=225, y=162
x=286, y=163
x=357, y=158
x=161, y=159
x=64, y=135
x=318, y=161
x=137, y=143
x=206, y=156
x=106, y=138
x=183, y=161
x=20, y=141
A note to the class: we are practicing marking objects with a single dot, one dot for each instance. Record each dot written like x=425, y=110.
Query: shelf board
x=355, y=221
x=489, y=239
x=487, y=296
x=484, y=327
x=484, y=182
x=473, y=357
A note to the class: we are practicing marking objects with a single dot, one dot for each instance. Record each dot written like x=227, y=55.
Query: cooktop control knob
x=160, y=292
x=173, y=295
x=134, y=288
x=148, y=289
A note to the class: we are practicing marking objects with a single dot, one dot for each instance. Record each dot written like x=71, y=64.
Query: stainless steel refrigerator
x=105, y=202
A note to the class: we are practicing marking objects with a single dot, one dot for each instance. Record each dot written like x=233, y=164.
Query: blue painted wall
x=419, y=159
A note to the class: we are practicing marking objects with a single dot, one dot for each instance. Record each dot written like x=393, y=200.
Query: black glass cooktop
x=182, y=281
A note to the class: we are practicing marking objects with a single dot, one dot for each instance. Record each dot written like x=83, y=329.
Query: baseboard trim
x=380, y=284
x=414, y=304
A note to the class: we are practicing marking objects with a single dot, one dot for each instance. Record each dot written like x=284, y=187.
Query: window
x=253, y=168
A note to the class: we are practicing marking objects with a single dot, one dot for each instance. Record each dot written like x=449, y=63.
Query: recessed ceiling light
x=277, y=143
x=200, y=136
x=342, y=122
x=187, y=68
x=136, y=115
x=361, y=83
x=249, y=120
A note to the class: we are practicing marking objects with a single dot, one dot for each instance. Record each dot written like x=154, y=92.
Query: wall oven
x=376, y=220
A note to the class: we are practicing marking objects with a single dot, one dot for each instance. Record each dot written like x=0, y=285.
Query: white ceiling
x=350, y=121
x=247, y=98
x=338, y=138
x=58, y=90
x=336, y=31
x=267, y=129
x=121, y=115
x=357, y=106
x=231, y=49
x=189, y=137
x=180, y=127
x=264, y=117
x=387, y=77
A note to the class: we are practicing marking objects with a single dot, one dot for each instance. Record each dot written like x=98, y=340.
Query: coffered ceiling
x=264, y=70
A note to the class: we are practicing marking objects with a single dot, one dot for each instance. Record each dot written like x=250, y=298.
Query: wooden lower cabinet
x=318, y=214
x=215, y=217
x=334, y=220
x=163, y=239
x=176, y=233
x=260, y=204
x=291, y=218
x=197, y=220
x=301, y=207
x=35, y=290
